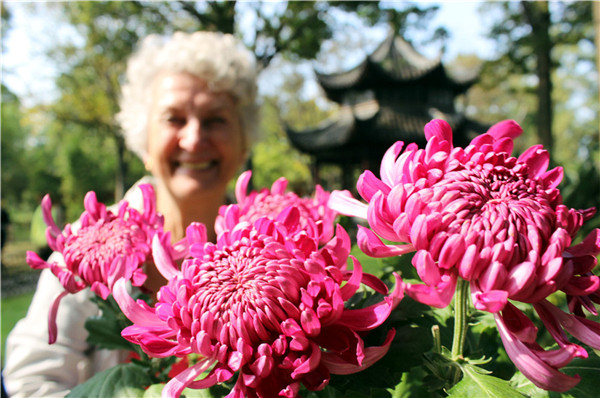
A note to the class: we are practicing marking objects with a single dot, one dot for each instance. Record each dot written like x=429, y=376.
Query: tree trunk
x=121, y=170
x=596, y=11
x=538, y=16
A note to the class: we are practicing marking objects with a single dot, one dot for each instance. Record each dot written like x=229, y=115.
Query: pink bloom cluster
x=264, y=302
x=494, y=220
x=270, y=202
x=103, y=248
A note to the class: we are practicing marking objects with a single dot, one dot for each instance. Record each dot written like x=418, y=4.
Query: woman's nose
x=191, y=136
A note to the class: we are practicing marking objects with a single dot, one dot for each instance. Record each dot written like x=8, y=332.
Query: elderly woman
x=189, y=111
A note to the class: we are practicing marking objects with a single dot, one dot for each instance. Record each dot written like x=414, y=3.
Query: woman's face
x=195, y=138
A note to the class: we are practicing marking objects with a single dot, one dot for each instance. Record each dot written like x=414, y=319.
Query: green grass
x=13, y=309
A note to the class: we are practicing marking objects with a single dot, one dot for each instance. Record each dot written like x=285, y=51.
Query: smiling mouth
x=196, y=166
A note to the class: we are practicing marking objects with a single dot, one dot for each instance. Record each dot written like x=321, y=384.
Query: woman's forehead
x=184, y=89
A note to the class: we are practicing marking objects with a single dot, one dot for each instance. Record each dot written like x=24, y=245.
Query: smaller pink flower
x=105, y=247
x=265, y=303
x=314, y=212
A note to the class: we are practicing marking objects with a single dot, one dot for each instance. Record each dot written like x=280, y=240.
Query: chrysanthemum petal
x=536, y=370
x=175, y=387
x=589, y=246
x=241, y=186
x=337, y=365
x=552, y=178
x=505, y=128
x=438, y=128
x=368, y=185
x=279, y=185
x=490, y=301
x=162, y=258
x=137, y=313
x=387, y=164
x=34, y=260
x=370, y=317
x=100, y=290
x=438, y=296
x=52, y=327
x=353, y=283
x=581, y=328
x=373, y=246
x=343, y=203
x=93, y=207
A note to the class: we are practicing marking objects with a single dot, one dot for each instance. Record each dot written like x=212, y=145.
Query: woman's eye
x=214, y=121
x=176, y=120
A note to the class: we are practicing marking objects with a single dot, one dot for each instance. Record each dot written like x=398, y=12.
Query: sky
x=28, y=73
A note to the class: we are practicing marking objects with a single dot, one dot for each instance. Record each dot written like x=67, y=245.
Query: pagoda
x=387, y=97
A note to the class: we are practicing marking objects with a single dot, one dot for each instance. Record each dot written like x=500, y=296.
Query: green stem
x=461, y=301
x=437, y=339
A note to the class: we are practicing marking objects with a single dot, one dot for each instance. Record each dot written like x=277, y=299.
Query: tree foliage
x=13, y=148
x=529, y=36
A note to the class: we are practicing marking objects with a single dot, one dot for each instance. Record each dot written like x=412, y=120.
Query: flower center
x=240, y=289
x=98, y=244
x=272, y=205
x=498, y=206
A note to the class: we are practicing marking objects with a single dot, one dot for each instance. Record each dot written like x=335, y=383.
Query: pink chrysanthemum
x=491, y=219
x=104, y=248
x=264, y=301
x=270, y=202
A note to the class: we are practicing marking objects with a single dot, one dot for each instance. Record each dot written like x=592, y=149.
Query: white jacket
x=35, y=368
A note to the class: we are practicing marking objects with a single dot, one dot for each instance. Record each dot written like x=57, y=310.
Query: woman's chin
x=196, y=185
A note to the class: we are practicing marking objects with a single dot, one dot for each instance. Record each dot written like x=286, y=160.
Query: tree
x=93, y=71
x=14, y=176
x=273, y=151
x=528, y=34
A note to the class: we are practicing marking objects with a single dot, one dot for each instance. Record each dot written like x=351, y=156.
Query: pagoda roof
x=340, y=140
x=394, y=62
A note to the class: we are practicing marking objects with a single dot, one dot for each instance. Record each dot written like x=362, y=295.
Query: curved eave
x=463, y=83
x=342, y=80
x=334, y=134
x=346, y=79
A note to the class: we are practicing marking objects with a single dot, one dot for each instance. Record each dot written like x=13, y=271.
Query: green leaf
x=524, y=385
x=413, y=385
x=154, y=391
x=218, y=391
x=477, y=384
x=105, y=334
x=332, y=392
x=105, y=329
x=124, y=380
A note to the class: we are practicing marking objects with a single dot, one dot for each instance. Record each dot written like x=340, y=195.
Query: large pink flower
x=265, y=302
x=102, y=249
x=314, y=211
x=497, y=221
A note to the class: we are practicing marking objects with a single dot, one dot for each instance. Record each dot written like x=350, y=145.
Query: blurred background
x=534, y=62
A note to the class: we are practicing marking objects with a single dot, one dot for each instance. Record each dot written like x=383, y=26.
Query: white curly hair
x=217, y=58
